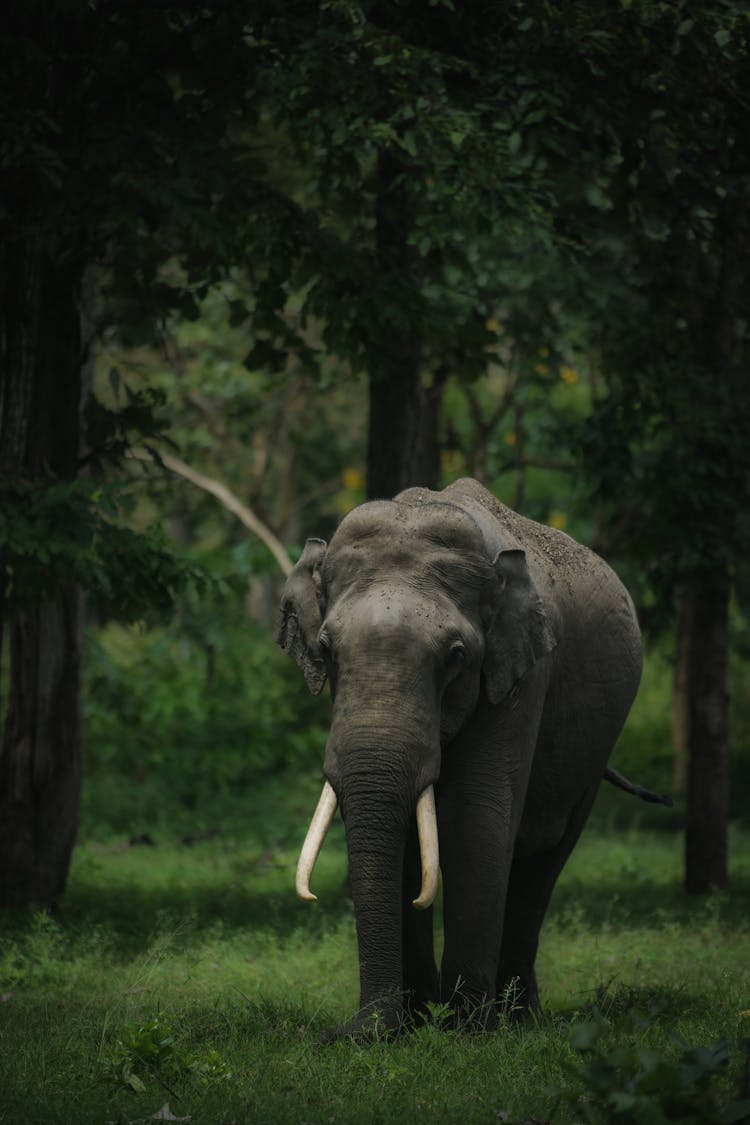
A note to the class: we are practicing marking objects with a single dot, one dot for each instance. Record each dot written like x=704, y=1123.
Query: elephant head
x=415, y=609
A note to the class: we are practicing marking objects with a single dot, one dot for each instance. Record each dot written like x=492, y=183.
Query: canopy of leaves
x=534, y=161
x=670, y=251
x=73, y=532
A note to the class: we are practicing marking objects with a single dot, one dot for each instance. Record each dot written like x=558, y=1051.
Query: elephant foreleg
x=474, y=899
x=483, y=785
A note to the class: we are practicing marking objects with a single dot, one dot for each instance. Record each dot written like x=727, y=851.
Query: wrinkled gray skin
x=468, y=647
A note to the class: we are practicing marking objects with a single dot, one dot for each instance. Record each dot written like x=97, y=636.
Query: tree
x=387, y=180
x=115, y=157
x=635, y=119
x=400, y=163
x=668, y=442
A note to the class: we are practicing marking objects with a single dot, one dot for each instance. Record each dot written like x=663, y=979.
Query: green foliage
x=151, y=1049
x=111, y=433
x=182, y=721
x=668, y=443
x=53, y=530
x=33, y=961
x=139, y=158
x=394, y=170
x=280, y=441
x=149, y=1046
x=640, y=1085
x=664, y=450
x=412, y=131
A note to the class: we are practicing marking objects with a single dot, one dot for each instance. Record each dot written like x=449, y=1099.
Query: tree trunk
x=40, y=778
x=714, y=331
x=681, y=696
x=708, y=769
x=40, y=752
x=403, y=446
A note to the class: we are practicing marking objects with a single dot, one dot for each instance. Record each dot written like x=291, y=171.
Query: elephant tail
x=611, y=774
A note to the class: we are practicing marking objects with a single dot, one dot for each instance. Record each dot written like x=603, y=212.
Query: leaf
x=409, y=142
x=133, y=1081
x=597, y=197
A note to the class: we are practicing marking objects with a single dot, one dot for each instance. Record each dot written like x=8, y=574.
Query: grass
x=191, y=976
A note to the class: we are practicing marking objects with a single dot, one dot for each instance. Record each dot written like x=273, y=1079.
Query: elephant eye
x=325, y=642
x=457, y=653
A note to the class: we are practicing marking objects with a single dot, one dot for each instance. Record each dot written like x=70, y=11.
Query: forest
x=258, y=265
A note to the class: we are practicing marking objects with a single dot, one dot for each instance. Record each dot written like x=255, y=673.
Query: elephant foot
x=471, y=1014
x=376, y=1022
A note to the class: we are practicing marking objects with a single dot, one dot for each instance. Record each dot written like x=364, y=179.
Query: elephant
x=481, y=667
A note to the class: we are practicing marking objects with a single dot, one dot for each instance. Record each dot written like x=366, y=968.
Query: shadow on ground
x=216, y=884
x=642, y=904
x=133, y=914
x=133, y=917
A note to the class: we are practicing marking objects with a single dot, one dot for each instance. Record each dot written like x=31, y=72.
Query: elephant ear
x=300, y=620
x=518, y=632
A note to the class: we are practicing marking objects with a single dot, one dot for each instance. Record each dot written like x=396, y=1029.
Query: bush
x=186, y=718
x=635, y=1084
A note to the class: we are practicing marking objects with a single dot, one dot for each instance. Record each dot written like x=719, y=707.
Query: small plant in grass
x=150, y=1049
x=510, y=1005
x=36, y=956
x=639, y=1085
x=438, y=1017
x=209, y=1068
x=147, y=1048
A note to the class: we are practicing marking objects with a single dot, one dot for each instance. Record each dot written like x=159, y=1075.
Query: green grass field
x=191, y=976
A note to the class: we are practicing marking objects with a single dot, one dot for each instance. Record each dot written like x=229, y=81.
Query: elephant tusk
x=316, y=834
x=428, y=848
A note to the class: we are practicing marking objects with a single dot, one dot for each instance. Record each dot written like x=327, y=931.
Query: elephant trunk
x=376, y=810
x=378, y=799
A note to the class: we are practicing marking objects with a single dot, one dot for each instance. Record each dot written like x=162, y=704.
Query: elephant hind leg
x=530, y=885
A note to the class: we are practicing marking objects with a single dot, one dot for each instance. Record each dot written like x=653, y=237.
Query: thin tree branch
x=225, y=497
x=485, y=427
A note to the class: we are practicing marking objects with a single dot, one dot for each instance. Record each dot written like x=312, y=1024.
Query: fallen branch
x=225, y=497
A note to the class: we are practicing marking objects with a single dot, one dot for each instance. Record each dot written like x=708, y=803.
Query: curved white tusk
x=428, y=848
x=316, y=834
